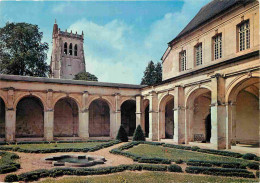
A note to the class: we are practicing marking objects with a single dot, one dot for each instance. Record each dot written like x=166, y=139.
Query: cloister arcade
x=182, y=114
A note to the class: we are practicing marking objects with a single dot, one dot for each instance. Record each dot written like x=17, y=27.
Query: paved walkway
x=33, y=161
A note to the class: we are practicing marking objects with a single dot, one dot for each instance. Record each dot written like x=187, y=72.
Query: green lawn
x=175, y=154
x=150, y=177
x=79, y=145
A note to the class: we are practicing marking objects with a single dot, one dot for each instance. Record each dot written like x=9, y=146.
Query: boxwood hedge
x=8, y=163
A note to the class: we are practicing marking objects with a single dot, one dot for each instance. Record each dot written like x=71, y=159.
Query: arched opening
x=2, y=118
x=66, y=118
x=70, y=49
x=198, y=115
x=245, y=112
x=29, y=118
x=99, y=118
x=76, y=50
x=208, y=128
x=128, y=116
x=146, y=118
x=169, y=123
x=166, y=117
x=65, y=48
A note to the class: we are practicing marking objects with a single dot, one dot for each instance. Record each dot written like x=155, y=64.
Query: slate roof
x=67, y=81
x=208, y=12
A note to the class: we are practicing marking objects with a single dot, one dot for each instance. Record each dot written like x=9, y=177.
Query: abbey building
x=209, y=94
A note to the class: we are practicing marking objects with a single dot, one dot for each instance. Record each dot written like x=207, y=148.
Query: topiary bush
x=122, y=135
x=249, y=156
x=11, y=178
x=174, y=168
x=138, y=134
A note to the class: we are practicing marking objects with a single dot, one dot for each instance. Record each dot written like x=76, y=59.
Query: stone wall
x=2, y=118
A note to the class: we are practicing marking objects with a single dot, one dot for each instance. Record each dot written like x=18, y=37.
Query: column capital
x=217, y=75
x=179, y=108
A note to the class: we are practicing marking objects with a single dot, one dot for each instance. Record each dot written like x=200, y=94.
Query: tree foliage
x=152, y=74
x=138, y=134
x=122, y=135
x=85, y=76
x=21, y=50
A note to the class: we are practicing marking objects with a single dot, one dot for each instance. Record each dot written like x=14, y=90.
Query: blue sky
x=121, y=37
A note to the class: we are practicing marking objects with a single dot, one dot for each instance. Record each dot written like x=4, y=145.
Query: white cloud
x=60, y=8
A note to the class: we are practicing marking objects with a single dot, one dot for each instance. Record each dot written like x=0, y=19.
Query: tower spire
x=55, y=28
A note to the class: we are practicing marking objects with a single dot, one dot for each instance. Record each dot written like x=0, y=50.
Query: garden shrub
x=11, y=178
x=249, y=156
x=138, y=134
x=194, y=148
x=154, y=167
x=220, y=171
x=8, y=163
x=122, y=135
x=174, y=168
x=215, y=163
x=253, y=165
x=179, y=161
x=257, y=158
x=154, y=160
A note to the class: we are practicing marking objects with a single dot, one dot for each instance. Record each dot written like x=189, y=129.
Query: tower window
x=198, y=54
x=75, y=50
x=70, y=49
x=217, y=46
x=244, y=35
x=183, y=61
x=65, y=48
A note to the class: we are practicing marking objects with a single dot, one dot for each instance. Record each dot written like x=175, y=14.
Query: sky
x=120, y=37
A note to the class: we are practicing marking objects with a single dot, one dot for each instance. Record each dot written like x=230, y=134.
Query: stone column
x=218, y=112
x=153, y=116
x=117, y=115
x=49, y=117
x=10, y=117
x=138, y=112
x=230, y=123
x=179, y=115
x=48, y=124
x=84, y=117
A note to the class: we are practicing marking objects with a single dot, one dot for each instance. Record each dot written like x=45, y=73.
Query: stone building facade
x=67, y=58
x=209, y=92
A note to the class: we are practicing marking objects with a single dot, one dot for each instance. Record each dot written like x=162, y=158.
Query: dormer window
x=198, y=54
x=244, y=35
x=75, y=50
x=70, y=49
x=183, y=61
x=65, y=48
x=217, y=46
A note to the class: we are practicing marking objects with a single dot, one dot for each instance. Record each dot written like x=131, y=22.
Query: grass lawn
x=79, y=145
x=175, y=154
x=150, y=177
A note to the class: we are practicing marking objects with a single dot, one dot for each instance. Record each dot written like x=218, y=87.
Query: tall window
x=198, y=54
x=217, y=46
x=244, y=35
x=65, y=48
x=70, y=49
x=183, y=61
x=75, y=50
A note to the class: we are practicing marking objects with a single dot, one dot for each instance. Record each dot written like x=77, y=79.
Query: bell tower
x=67, y=58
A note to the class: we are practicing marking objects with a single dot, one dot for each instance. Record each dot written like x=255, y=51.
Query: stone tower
x=67, y=58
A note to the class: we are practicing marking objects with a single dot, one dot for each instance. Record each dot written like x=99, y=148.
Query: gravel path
x=33, y=161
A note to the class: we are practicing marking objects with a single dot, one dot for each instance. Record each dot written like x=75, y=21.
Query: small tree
x=85, y=76
x=122, y=135
x=138, y=134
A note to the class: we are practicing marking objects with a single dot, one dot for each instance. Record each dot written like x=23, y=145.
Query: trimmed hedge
x=253, y=165
x=8, y=163
x=220, y=171
x=257, y=174
x=222, y=153
x=249, y=156
x=177, y=146
x=91, y=149
x=215, y=163
x=11, y=178
x=56, y=172
x=154, y=160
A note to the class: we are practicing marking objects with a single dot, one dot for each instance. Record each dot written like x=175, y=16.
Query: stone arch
x=66, y=118
x=93, y=98
x=66, y=96
x=29, y=117
x=198, y=109
x=243, y=113
x=99, y=118
x=128, y=116
x=166, y=116
x=2, y=117
x=126, y=99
